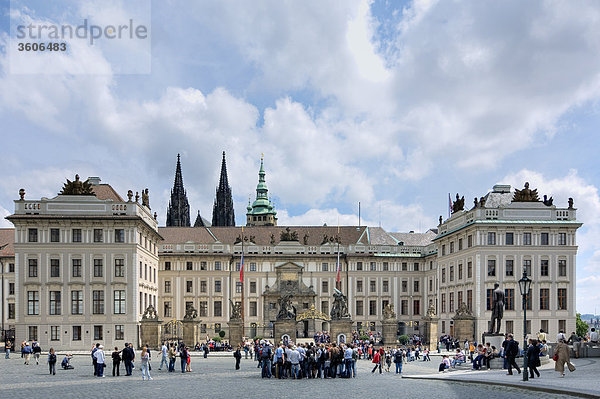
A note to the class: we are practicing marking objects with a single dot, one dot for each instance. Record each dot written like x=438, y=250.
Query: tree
x=404, y=339
x=581, y=327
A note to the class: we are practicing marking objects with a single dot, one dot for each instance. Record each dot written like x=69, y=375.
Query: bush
x=222, y=333
x=364, y=337
x=403, y=339
x=258, y=337
x=581, y=327
x=217, y=339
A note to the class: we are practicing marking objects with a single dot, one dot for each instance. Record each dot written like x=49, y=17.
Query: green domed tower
x=261, y=212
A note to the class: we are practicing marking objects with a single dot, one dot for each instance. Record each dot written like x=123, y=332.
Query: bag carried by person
x=571, y=367
x=555, y=357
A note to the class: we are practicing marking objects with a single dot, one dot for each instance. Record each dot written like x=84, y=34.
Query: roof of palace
x=7, y=236
x=105, y=191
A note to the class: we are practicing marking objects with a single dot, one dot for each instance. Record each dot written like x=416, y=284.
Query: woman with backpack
x=52, y=361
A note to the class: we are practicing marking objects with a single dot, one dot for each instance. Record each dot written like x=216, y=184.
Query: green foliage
x=257, y=337
x=581, y=327
x=364, y=337
x=217, y=339
x=222, y=333
x=403, y=339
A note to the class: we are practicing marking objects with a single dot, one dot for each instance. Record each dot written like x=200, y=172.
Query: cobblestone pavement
x=215, y=377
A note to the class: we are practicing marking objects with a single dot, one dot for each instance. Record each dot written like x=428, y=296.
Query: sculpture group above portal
x=150, y=314
x=388, y=312
x=77, y=187
x=190, y=313
x=236, y=311
x=287, y=311
x=463, y=310
x=526, y=195
x=339, y=310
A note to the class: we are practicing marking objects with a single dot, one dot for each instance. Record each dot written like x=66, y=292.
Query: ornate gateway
x=312, y=313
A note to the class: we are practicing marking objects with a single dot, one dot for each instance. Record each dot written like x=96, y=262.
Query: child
x=52, y=361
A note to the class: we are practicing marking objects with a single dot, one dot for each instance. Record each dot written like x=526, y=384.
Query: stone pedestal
x=464, y=328
x=390, y=332
x=341, y=327
x=284, y=327
x=150, y=333
x=235, y=332
x=494, y=339
x=190, y=332
x=429, y=329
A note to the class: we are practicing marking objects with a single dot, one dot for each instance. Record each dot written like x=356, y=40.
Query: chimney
x=94, y=181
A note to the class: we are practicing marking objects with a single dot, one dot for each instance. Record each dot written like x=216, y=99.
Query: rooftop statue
x=288, y=235
x=146, y=198
x=77, y=187
x=526, y=195
x=459, y=204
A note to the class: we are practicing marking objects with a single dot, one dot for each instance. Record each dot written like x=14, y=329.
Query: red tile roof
x=105, y=191
x=7, y=236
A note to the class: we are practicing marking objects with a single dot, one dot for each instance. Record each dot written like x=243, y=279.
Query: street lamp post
x=524, y=287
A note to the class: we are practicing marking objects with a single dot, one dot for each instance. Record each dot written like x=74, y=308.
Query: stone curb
x=571, y=392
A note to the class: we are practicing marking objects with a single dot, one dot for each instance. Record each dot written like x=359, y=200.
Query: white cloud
x=3, y=222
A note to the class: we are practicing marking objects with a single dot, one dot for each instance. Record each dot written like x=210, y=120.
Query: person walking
x=238, y=356
x=378, y=359
x=164, y=351
x=562, y=356
x=127, y=358
x=7, y=348
x=100, y=359
x=26, y=351
x=183, y=356
x=512, y=350
x=116, y=359
x=37, y=351
x=145, y=356
x=94, y=362
x=398, y=360
x=172, y=357
x=533, y=357
x=52, y=361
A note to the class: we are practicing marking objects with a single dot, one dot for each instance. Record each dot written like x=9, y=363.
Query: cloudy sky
x=393, y=104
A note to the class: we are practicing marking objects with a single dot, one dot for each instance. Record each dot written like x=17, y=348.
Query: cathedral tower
x=178, y=212
x=261, y=212
x=223, y=214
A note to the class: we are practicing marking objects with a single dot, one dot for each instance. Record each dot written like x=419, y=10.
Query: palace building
x=87, y=265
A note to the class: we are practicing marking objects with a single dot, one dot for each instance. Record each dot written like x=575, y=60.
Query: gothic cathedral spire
x=178, y=212
x=223, y=214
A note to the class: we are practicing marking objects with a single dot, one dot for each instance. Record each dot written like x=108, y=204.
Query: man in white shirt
x=561, y=336
x=594, y=336
x=164, y=351
x=294, y=358
x=99, y=355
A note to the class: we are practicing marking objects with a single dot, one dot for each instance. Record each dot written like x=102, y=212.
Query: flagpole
x=338, y=285
x=242, y=281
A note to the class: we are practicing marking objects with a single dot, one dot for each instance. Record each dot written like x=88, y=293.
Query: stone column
x=429, y=328
x=390, y=332
x=284, y=327
x=190, y=332
x=235, y=332
x=341, y=326
x=150, y=333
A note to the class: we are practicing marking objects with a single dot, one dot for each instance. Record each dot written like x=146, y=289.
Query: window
x=119, y=235
x=217, y=309
x=470, y=299
x=76, y=333
x=528, y=301
x=217, y=265
x=324, y=267
x=202, y=265
x=33, y=268
x=509, y=327
x=489, y=298
x=416, y=266
x=253, y=287
x=372, y=308
x=54, y=268
x=203, y=286
x=451, y=273
x=509, y=270
x=372, y=286
x=359, y=308
x=167, y=265
x=253, y=309
x=167, y=310
x=359, y=286
x=76, y=269
x=238, y=287
x=451, y=295
x=167, y=286
x=544, y=324
x=404, y=286
x=386, y=286
x=460, y=244
x=509, y=238
x=528, y=327
x=98, y=335
x=33, y=302
x=562, y=299
x=11, y=267
x=324, y=287
x=188, y=266
x=544, y=239
x=189, y=286
x=451, y=247
x=459, y=300
x=54, y=235
x=430, y=285
x=238, y=266
x=188, y=304
x=416, y=307
x=33, y=235
x=359, y=266
x=119, y=302
x=527, y=266
x=469, y=269
x=526, y=238
x=54, y=302
x=443, y=303
x=562, y=238
x=98, y=272
x=491, y=267
x=544, y=299
x=460, y=271
x=416, y=286
x=509, y=299
x=33, y=333
x=404, y=307
x=386, y=266
x=562, y=268
x=544, y=270
x=11, y=311
x=372, y=266
x=217, y=285
x=119, y=267
x=76, y=235
x=98, y=302
x=404, y=266
x=119, y=332
x=98, y=235
x=76, y=302
x=54, y=333
x=253, y=266
x=562, y=325
x=491, y=238
x=217, y=328
x=203, y=309
x=11, y=288
x=469, y=241
x=443, y=249
x=443, y=275
x=145, y=271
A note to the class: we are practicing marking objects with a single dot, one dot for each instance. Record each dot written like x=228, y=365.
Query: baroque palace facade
x=84, y=266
